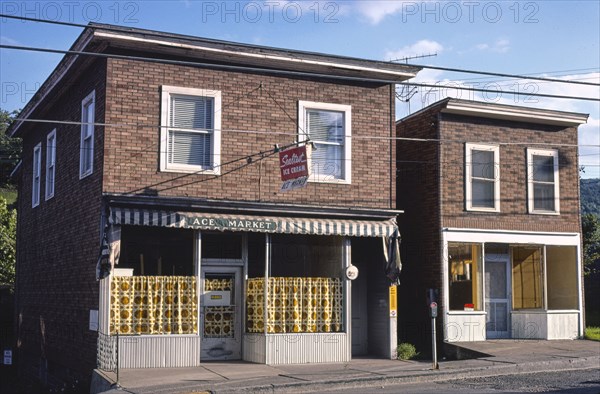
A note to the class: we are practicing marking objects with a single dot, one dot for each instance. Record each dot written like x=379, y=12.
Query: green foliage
x=8, y=243
x=590, y=196
x=407, y=351
x=592, y=333
x=590, y=225
x=10, y=148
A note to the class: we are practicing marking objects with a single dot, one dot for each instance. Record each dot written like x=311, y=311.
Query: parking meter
x=433, y=310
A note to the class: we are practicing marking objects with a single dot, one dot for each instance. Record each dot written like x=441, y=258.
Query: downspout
x=392, y=144
x=440, y=235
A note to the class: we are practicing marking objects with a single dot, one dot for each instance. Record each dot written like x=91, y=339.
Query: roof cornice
x=514, y=113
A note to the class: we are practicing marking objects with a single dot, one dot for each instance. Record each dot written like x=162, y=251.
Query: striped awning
x=263, y=224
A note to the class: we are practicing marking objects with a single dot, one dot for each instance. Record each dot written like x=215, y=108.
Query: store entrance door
x=221, y=312
x=497, y=298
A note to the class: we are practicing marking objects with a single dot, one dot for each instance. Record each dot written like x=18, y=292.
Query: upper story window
x=328, y=126
x=50, y=163
x=86, y=157
x=37, y=171
x=191, y=130
x=542, y=177
x=482, y=178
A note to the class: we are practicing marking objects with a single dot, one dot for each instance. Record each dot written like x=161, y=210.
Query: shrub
x=407, y=351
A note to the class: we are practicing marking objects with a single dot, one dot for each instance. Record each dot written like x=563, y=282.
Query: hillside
x=590, y=196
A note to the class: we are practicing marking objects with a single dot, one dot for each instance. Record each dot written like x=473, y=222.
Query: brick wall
x=513, y=174
x=58, y=241
x=132, y=161
x=418, y=192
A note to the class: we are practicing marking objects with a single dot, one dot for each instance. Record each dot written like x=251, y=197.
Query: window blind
x=194, y=145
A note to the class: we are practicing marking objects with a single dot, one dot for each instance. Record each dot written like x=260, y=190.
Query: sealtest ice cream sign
x=294, y=168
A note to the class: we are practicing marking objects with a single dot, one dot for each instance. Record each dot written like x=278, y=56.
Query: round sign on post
x=352, y=272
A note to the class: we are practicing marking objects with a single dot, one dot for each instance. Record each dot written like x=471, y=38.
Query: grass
x=592, y=333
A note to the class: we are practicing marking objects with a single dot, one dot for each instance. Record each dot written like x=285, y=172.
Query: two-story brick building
x=159, y=150
x=491, y=221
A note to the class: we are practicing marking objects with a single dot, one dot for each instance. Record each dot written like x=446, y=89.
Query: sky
x=555, y=39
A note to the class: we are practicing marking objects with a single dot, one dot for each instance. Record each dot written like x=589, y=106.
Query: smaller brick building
x=491, y=200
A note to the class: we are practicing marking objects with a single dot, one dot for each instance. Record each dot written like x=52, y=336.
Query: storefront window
x=464, y=269
x=527, y=277
x=153, y=289
x=561, y=267
x=304, y=288
x=221, y=246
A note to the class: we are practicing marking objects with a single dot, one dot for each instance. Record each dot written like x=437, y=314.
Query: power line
x=199, y=64
x=496, y=74
x=425, y=85
x=267, y=132
x=262, y=70
x=163, y=35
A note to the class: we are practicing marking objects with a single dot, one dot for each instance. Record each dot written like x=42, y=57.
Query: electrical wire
x=425, y=85
x=294, y=134
x=188, y=38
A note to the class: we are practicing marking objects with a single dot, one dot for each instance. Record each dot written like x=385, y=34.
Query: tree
x=10, y=148
x=8, y=243
x=591, y=243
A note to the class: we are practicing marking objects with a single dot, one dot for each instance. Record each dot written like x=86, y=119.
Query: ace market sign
x=293, y=163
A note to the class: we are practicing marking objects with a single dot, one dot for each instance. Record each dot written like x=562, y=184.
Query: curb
x=429, y=376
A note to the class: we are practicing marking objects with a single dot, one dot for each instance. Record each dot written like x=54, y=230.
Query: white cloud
x=8, y=41
x=422, y=47
x=500, y=46
x=376, y=10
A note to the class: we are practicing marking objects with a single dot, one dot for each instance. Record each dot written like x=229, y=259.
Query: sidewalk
x=505, y=357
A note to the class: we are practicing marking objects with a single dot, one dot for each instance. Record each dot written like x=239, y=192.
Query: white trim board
x=253, y=55
x=511, y=236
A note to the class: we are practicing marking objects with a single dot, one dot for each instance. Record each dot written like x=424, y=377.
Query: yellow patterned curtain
x=218, y=320
x=298, y=305
x=153, y=305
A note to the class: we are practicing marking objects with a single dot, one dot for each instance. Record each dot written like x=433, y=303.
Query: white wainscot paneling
x=465, y=327
x=160, y=351
x=545, y=324
x=254, y=348
x=307, y=348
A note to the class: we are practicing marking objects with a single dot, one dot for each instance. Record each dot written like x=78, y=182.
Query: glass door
x=497, y=297
x=220, y=312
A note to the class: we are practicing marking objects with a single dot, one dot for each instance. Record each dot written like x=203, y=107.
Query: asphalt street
x=586, y=381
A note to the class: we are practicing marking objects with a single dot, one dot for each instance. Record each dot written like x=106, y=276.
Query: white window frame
x=87, y=131
x=166, y=92
x=50, y=164
x=530, y=183
x=469, y=147
x=36, y=175
x=303, y=136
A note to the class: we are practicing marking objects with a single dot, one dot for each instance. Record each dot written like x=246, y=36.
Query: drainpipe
x=392, y=144
x=442, y=291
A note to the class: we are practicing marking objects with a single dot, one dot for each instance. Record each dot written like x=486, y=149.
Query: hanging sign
x=293, y=163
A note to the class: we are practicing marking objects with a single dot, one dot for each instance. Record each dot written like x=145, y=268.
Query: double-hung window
x=37, y=171
x=542, y=177
x=482, y=177
x=50, y=163
x=328, y=126
x=86, y=157
x=190, y=130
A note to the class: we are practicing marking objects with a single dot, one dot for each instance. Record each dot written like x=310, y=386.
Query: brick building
x=159, y=151
x=491, y=221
